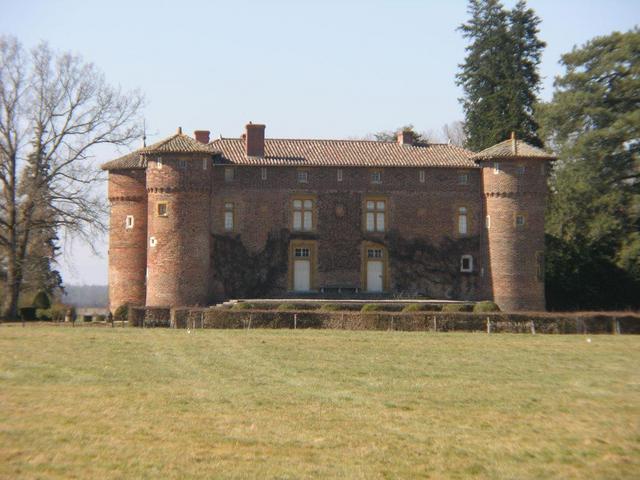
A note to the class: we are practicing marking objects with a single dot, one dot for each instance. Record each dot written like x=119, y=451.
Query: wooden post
x=391, y=326
x=533, y=328
x=616, y=326
x=342, y=319
x=488, y=325
x=249, y=327
x=295, y=321
x=435, y=323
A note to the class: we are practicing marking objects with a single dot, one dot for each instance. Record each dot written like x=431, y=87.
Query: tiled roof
x=347, y=153
x=131, y=160
x=177, y=143
x=512, y=149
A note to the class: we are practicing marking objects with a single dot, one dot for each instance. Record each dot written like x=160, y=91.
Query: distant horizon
x=333, y=70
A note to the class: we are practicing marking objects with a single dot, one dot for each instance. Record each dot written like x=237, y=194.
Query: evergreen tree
x=593, y=223
x=500, y=73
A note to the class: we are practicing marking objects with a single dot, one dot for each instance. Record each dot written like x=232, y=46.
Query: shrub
x=371, y=307
x=99, y=318
x=86, y=318
x=330, y=307
x=283, y=307
x=242, y=306
x=412, y=307
x=431, y=307
x=43, y=314
x=121, y=313
x=486, y=306
x=41, y=300
x=28, y=313
x=456, y=307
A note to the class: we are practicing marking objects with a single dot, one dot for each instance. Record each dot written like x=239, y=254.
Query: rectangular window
x=161, y=209
x=466, y=263
x=182, y=164
x=339, y=174
x=488, y=222
x=463, y=223
x=375, y=215
x=263, y=173
x=422, y=176
x=302, y=253
x=520, y=220
x=520, y=169
x=159, y=163
x=376, y=177
x=496, y=168
x=302, y=214
x=463, y=178
x=303, y=176
x=152, y=241
x=228, y=216
x=228, y=174
x=128, y=224
x=205, y=161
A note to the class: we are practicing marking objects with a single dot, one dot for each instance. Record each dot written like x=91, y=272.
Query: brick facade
x=227, y=228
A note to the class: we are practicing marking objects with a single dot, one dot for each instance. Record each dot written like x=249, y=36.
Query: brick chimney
x=202, y=136
x=254, y=140
x=405, y=137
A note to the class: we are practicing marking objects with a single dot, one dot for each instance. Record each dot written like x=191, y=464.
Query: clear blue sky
x=324, y=69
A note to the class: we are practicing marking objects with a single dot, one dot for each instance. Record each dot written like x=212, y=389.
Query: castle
x=194, y=222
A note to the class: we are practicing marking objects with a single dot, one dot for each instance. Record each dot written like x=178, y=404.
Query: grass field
x=134, y=403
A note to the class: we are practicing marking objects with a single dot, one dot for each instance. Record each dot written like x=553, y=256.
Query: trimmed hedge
x=457, y=307
x=485, y=306
x=540, y=322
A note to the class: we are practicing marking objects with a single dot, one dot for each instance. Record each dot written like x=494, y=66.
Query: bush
x=431, y=307
x=242, y=306
x=486, y=306
x=283, y=307
x=86, y=318
x=457, y=307
x=41, y=300
x=372, y=307
x=412, y=307
x=43, y=314
x=121, y=313
x=99, y=318
x=28, y=313
x=330, y=307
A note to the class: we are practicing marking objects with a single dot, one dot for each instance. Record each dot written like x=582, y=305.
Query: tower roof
x=512, y=148
x=177, y=143
x=129, y=161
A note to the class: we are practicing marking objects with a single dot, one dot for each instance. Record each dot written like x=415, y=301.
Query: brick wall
x=127, y=246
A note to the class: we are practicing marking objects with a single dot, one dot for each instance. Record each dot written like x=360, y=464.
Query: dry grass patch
x=114, y=403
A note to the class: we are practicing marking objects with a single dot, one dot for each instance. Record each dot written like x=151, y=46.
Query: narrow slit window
x=422, y=176
x=263, y=173
x=129, y=222
x=339, y=174
x=205, y=161
x=229, y=219
x=182, y=164
x=153, y=242
x=496, y=168
x=466, y=263
x=159, y=163
x=463, y=221
x=488, y=222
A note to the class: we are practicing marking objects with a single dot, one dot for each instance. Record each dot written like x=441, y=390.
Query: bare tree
x=55, y=109
x=454, y=133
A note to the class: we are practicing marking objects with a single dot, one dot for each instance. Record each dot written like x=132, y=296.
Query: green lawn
x=118, y=403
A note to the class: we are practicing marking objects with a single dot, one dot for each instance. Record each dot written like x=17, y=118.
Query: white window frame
x=339, y=175
x=166, y=209
x=463, y=178
x=422, y=176
x=496, y=168
x=153, y=242
x=302, y=214
x=488, y=222
x=462, y=260
x=229, y=174
x=376, y=177
x=521, y=169
x=182, y=164
x=129, y=222
x=375, y=215
x=159, y=163
x=263, y=173
x=205, y=161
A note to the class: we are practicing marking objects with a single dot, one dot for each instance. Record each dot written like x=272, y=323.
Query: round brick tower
x=514, y=176
x=178, y=184
x=127, y=231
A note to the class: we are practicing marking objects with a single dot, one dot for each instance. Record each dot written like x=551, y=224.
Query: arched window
x=463, y=222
